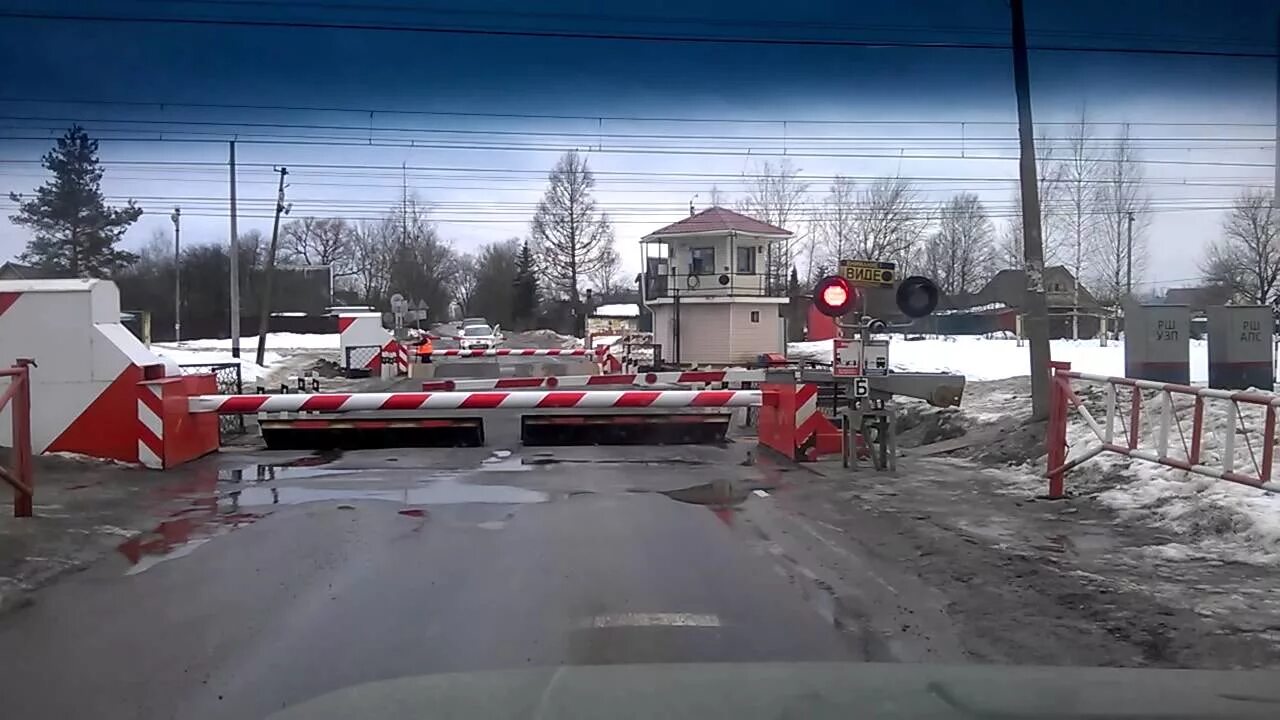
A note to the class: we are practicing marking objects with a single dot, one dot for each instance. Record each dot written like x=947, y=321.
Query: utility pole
x=1036, y=320
x=176, y=217
x=1128, y=260
x=235, y=263
x=265, y=312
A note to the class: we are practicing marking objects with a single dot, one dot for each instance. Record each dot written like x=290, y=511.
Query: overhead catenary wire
x=613, y=150
x=174, y=103
x=668, y=19
x=635, y=37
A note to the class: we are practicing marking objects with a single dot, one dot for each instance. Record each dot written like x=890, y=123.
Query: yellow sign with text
x=869, y=273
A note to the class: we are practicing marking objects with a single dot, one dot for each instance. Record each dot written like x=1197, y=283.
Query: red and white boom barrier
x=696, y=377
x=558, y=399
x=1120, y=430
x=520, y=352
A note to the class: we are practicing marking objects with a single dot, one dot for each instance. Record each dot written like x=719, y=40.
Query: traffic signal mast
x=860, y=386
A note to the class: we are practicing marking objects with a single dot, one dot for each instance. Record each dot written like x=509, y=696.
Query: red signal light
x=834, y=296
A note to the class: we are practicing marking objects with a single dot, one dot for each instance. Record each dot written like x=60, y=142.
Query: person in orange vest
x=425, y=348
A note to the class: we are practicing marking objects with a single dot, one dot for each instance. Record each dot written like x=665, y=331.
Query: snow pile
x=550, y=339
x=213, y=351
x=275, y=341
x=980, y=358
x=620, y=310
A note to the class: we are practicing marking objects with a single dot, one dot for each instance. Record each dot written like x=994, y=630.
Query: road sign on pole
x=869, y=273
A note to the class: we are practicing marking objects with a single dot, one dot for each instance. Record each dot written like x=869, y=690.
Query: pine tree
x=526, y=298
x=793, y=283
x=74, y=231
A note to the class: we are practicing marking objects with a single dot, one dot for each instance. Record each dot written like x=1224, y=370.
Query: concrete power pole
x=264, y=313
x=235, y=262
x=1128, y=261
x=1036, y=320
x=176, y=217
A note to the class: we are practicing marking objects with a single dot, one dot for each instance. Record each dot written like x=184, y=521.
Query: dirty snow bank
x=1209, y=519
x=980, y=358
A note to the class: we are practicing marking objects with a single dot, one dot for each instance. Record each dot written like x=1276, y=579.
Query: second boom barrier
x=554, y=399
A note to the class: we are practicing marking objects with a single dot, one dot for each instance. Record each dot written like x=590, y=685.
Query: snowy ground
x=1212, y=520
x=979, y=358
x=280, y=347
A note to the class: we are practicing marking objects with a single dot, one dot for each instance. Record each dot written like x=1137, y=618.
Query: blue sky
x=485, y=194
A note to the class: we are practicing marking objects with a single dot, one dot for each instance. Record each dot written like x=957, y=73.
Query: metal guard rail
x=1062, y=398
x=20, y=477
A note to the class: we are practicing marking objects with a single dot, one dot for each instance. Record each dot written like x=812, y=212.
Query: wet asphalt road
x=269, y=586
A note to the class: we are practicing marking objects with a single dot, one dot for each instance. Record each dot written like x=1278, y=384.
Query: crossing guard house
x=705, y=283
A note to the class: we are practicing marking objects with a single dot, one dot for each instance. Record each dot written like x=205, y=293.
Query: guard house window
x=702, y=261
x=755, y=316
x=746, y=260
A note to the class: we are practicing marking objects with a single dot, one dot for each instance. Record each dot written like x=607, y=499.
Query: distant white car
x=480, y=337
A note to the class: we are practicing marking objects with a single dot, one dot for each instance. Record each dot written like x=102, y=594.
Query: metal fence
x=358, y=358
x=230, y=382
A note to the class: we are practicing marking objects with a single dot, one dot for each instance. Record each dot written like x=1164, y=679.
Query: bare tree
x=465, y=280
x=1121, y=200
x=835, y=226
x=567, y=229
x=423, y=264
x=1247, y=256
x=495, y=296
x=889, y=222
x=959, y=255
x=372, y=245
x=716, y=197
x=1009, y=251
x=607, y=277
x=319, y=241
x=775, y=195
x=1079, y=172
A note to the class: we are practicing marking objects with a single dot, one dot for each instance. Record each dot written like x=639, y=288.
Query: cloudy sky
x=470, y=103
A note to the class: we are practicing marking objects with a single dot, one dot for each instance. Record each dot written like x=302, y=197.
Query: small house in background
x=998, y=305
x=613, y=320
x=705, y=283
x=10, y=270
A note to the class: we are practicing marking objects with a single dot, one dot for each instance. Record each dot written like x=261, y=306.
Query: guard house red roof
x=718, y=219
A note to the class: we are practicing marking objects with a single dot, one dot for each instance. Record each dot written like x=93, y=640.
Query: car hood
x=808, y=690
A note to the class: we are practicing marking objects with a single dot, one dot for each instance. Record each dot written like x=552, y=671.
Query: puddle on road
x=444, y=491
x=546, y=460
x=218, y=502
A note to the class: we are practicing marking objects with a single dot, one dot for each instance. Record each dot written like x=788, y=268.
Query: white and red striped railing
x=557, y=399
x=1221, y=463
x=518, y=352
x=694, y=377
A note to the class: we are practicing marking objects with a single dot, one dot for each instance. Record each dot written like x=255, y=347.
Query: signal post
x=860, y=385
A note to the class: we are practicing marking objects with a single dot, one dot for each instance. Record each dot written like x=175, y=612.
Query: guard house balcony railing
x=686, y=285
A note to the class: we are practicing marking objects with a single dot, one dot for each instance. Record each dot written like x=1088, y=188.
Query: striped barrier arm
x=521, y=352
x=556, y=399
x=568, y=381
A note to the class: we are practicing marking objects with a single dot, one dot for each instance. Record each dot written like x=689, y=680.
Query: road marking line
x=616, y=620
x=760, y=493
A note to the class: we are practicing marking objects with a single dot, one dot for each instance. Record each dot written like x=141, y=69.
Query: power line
x=615, y=118
x=612, y=150
x=770, y=23
x=176, y=125
x=615, y=36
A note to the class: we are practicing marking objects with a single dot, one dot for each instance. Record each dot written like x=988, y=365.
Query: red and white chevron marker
x=502, y=352
x=557, y=399
x=572, y=381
